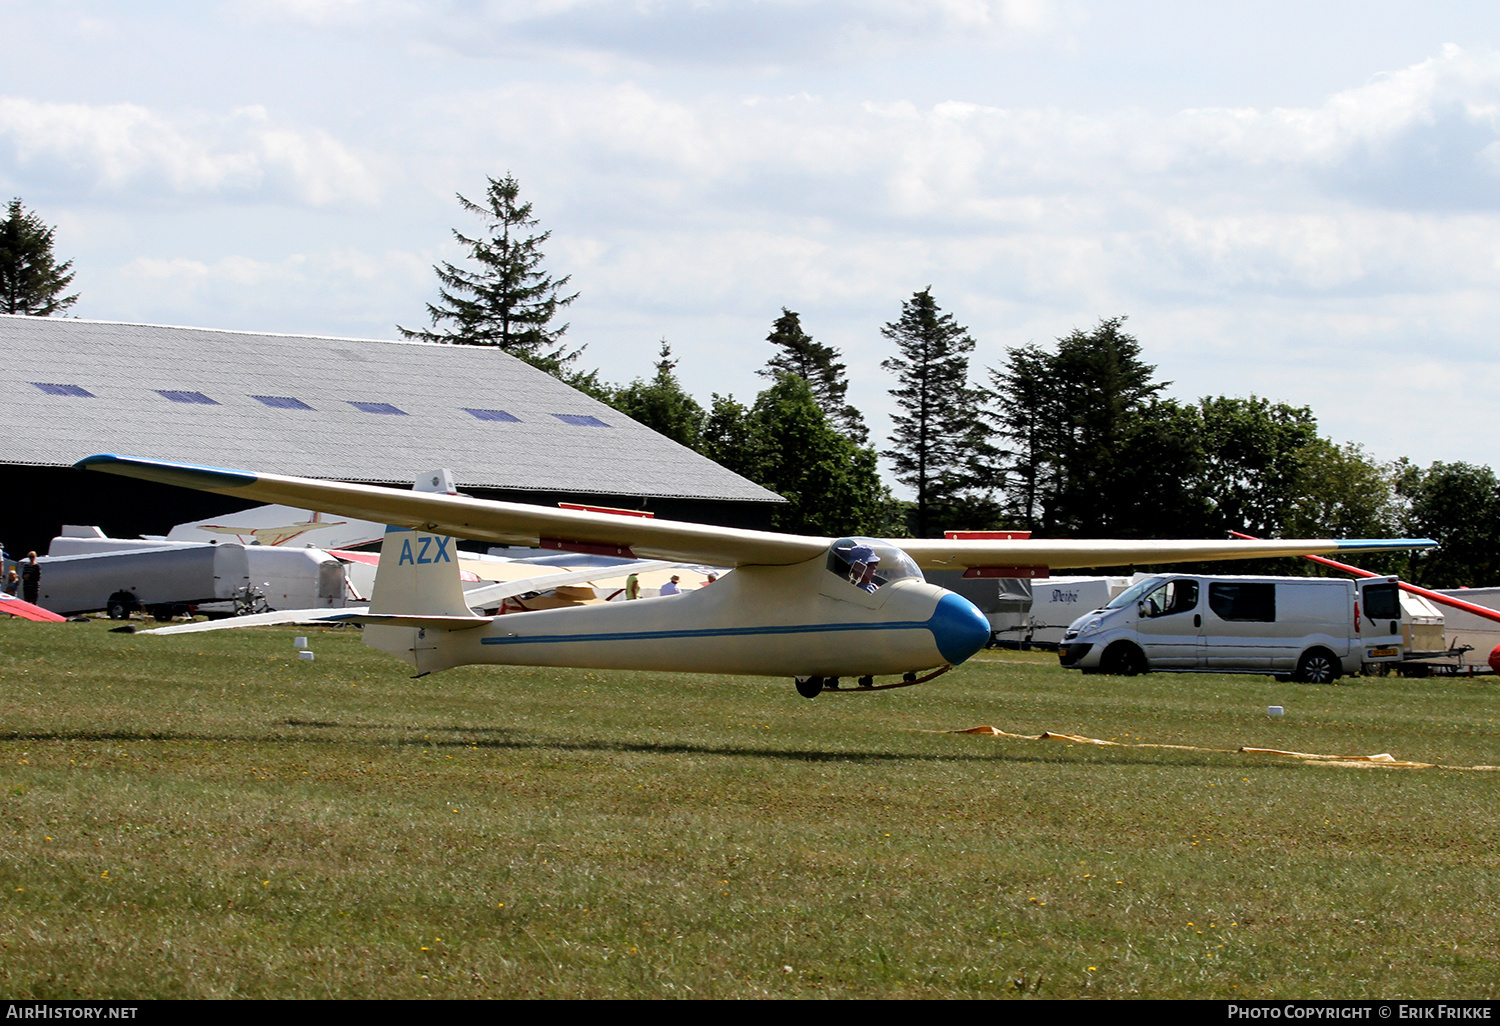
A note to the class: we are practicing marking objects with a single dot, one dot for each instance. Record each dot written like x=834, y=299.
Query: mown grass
x=208, y=816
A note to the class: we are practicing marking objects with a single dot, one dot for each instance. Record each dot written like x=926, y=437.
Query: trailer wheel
x=1318, y=666
x=121, y=604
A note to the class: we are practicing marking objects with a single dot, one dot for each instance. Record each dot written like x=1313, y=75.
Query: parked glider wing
x=26, y=611
x=1019, y=554
x=512, y=523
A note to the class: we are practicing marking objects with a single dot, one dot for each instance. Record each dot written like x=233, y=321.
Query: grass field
x=208, y=816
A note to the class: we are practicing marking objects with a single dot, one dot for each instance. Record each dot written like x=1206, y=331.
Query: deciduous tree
x=1458, y=506
x=661, y=404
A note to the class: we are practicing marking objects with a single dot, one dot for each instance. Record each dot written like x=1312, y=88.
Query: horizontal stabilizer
x=439, y=623
x=271, y=619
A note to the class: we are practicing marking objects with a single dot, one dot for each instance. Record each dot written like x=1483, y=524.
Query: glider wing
x=513, y=523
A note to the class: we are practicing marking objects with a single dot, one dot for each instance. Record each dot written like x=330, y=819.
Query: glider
x=815, y=609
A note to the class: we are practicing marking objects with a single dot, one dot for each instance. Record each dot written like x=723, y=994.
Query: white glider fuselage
x=761, y=620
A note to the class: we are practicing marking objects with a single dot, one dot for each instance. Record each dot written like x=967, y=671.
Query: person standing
x=632, y=587
x=671, y=588
x=31, y=578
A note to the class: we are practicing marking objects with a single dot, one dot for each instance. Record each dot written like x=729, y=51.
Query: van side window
x=1239, y=600
x=1382, y=601
x=1176, y=596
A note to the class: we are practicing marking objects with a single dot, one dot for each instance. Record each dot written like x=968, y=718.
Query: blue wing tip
x=163, y=469
x=1387, y=543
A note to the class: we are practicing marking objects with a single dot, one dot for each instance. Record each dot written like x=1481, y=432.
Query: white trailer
x=163, y=580
x=283, y=577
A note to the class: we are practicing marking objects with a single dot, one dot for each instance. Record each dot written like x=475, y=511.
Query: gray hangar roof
x=345, y=409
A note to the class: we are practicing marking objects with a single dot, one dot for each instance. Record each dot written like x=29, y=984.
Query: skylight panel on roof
x=281, y=402
x=580, y=420
x=492, y=415
x=185, y=397
x=55, y=389
x=377, y=408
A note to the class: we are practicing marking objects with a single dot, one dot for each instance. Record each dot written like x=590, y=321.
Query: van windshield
x=1133, y=594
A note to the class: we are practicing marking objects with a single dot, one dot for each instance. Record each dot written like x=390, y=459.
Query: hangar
x=358, y=410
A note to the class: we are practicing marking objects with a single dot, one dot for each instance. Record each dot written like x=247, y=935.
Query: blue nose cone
x=958, y=627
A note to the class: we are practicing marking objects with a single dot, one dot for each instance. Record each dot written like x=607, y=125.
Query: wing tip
x=166, y=471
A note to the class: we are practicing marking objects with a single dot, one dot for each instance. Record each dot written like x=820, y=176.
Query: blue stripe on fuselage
x=940, y=624
x=707, y=632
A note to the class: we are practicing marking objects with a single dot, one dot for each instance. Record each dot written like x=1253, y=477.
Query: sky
x=1295, y=201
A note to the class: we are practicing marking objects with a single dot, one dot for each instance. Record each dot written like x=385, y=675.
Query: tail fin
x=417, y=577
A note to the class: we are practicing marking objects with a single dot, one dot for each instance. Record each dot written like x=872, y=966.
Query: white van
x=1302, y=628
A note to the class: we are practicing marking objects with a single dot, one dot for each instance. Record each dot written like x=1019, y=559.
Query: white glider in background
x=815, y=609
x=475, y=598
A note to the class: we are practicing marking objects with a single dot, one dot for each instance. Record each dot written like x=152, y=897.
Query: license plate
x=1384, y=653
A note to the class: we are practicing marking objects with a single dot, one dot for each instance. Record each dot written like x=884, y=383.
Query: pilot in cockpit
x=863, y=562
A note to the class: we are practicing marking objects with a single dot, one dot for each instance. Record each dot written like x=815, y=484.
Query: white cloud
x=693, y=32
x=128, y=148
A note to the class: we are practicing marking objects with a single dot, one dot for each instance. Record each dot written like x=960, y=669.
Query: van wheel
x=1318, y=666
x=1123, y=659
x=121, y=604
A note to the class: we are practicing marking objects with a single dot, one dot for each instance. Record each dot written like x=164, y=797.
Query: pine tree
x=661, y=403
x=1102, y=385
x=31, y=280
x=817, y=365
x=508, y=301
x=940, y=443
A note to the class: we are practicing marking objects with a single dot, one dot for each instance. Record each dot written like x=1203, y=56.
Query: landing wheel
x=809, y=687
x=867, y=682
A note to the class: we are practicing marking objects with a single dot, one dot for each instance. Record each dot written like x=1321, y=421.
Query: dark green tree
x=1458, y=506
x=1159, y=489
x=31, y=280
x=1027, y=416
x=940, y=445
x=832, y=485
x=1340, y=492
x=1253, y=465
x=785, y=443
x=506, y=300
x=818, y=365
x=1102, y=385
x=729, y=437
x=1076, y=424
x=661, y=403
